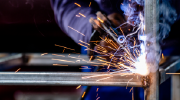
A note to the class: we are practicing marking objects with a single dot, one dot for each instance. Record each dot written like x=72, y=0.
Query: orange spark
x=162, y=56
x=114, y=32
x=59, y=65
x=84, y=42
x=63, y=60
x=58, y=55
x=100, y=20
x=63, y=51
x=83, y=94
x=43, y=54
x=82, y=15
x=77, y=4
x=130, y=89
x=90, y=58
x=64, y=47
x=17, y=70
x=173, y=73
x=76, y=30
x=90, y=4
x=78, y=87
x=94, y=41
x=97, y=89
x=128, y=82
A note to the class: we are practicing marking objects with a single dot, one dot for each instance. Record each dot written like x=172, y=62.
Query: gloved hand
x=112, y=20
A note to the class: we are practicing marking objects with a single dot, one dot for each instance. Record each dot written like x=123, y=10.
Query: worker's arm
x=73, y=16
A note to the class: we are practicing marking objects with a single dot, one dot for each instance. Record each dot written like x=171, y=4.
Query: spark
x=83, y=94
x=63, y=60
x=43, y=54
x=64, y=47
x=84, y=42
x=90, y=58
x=63, y=51
x=78, y=16
x=100, y=20
x=131, y=89
x=17, y=70
x=104, y=78
x=78, y=87
x=58, y=55
x=128, y=82
x=76, y=30
x=77, y=4
x=95, y=41
x=98, y=98
x=97, y=89
x=114, y=32
x=95, y=76
x=89, y=4
x=162, y=56
x=59, y=65
x=173, y=73
x=82, y=15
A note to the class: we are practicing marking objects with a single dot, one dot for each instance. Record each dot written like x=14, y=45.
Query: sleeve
x=73, y=16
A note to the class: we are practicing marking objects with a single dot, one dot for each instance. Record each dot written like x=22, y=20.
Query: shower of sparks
x=76, y=30
x=17, y=70
x=78, y=87
x=82, y=15
x=77, y=4
x=83, y=94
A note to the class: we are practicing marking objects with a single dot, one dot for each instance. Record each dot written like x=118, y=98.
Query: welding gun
x=108, y=27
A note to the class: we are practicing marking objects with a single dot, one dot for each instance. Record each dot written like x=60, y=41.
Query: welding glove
x=112, y=20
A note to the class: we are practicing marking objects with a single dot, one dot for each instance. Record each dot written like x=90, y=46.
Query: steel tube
x=70, y=78
x=151, y=28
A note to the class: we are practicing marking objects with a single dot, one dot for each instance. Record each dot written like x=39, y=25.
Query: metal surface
x=65, y=59
x=151, y=28
x=170, y=66
x=70, y=78
x=151, y=92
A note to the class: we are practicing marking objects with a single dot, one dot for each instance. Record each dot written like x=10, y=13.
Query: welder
x=68, y=14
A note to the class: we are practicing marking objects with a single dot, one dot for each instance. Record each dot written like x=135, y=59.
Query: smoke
x=167, y=17
x=134, y=13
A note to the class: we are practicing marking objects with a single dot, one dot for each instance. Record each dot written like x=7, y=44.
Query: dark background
x=28, y=26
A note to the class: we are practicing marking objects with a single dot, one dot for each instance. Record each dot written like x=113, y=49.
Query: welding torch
x=103, y=26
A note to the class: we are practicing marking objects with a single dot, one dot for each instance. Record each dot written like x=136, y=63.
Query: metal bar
x=70, y=78
x=151, y=92
x=170, y=66
x=175, y=82
x=65, y=59
x=151, y=28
